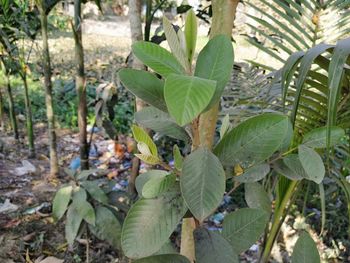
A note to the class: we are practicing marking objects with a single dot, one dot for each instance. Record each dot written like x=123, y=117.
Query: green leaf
x=191, y=34
x=312, y=164
x=157, y=58
x=212, y=247
x=256, y=197
x=95, y=191
x=61, y=201
x=317, y=138
x=253, y=174
x=215, y=62
x=161, y=122
x=145, y=177
x=186, y=96
x=167, y=248
x=149, y=159
x=73, y=222
x=141, y=135
x=79, y=194
x=239, y=146
x=156, y=186
x=169, y=258
x=178, y=159
x=290, y=167
x=244, y=227
x=174, y=43
x=202, y=182
x=150, y=223
x=305, y=250
x=225, y=126
x=85, y=210
x=145, y=86
x=107, y=226
x=83, y=175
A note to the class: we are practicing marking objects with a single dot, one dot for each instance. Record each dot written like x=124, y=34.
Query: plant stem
x=187, y=240
x=277, y=222
x=2, y=115
x=29, y=118
x=11, y=108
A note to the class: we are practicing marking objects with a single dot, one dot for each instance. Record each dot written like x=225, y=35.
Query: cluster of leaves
x=86, y=204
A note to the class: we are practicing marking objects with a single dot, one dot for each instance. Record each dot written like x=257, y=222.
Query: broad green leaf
x=254, y=140
x=256, y=196
x=178, y=159
x=191, y=34
x=317, y=138
x=161, y=122
x=95, y=191
x=141, y=135
x=143, y=148
x=168, y=258
x=174, y=43
x=290, y=167
x=225, y=126
x=143, y=178
x=202, y=182
x=149, y=159
x=145, y=86
x=83, y=175
x=73, y=222
x=187, y=97
x=85, y=210
x=336, y=68
x=157, y=58
x=167, y=248
x=61, y=201
x=312, y=164
x=212, y=247
x=253, y=174
x=305, y=250
x=79, y=194
x=156, y=186
x=244, y=227
x=107, y=226
x=150, y=223
x=215, y=62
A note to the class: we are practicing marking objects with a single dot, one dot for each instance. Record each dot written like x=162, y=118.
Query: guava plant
x=194, y=187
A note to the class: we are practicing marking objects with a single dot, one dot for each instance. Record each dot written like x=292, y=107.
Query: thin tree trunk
x=136, y=35
x=29, y=117
x=49, y=98
x=11, y=108
x=2, y=113
x=80, y=86
x=222, y=23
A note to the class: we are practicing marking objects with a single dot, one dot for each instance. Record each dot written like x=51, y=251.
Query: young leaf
x=244, y=227
x=256, y=197
x=143, y=148
x=178, y=159
x=150, y=223
x=73, y=222
x=145, y=177
x=305, y=250
x=225, y=126
x=157, y=58
x=215, y=62
x=86, y=211
x=141, y=135
x=213, y=247
x=79, y=194
x=107, y=226
x=156, y=186
x=95, y=191
x=290, y=167
x=174, y=43
x=253, y=174
x=147, y=158
x=254, y=140
x=145, y=86
x=202, y=182
x=186, y=96
x=317, y=138
x=312, y=164
x=61, y=201
x=161, y=122
x=191, y=34
x=168, y=258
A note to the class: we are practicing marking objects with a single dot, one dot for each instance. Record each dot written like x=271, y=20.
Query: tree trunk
x=49, y=98
x=80, y=86
x=13, y=119
x=2, y=113
x=29, y=118
x=136, y=35
x=222, y=23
